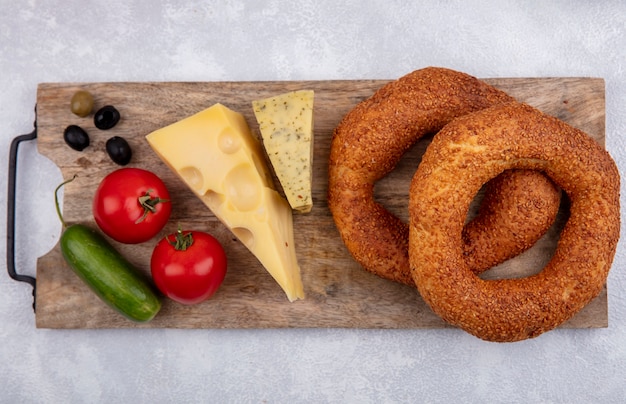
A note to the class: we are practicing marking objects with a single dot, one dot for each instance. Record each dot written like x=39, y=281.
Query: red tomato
x=131, y=205
x=188, y=267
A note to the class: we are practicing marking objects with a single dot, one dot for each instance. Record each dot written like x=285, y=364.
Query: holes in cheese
x=243, y=187
x=244, y=235
x=217, y=157
x=214, y=199
x=193, y=177
x=228, y=141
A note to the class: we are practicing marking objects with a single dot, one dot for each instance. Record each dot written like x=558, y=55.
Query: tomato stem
x=56, y=199
x=182, y=241
x=148, y=203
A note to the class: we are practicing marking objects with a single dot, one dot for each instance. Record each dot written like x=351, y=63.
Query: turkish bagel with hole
x=467, y=153
x=518, y=207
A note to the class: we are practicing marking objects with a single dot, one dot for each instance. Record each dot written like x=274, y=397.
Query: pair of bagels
x=483, y=136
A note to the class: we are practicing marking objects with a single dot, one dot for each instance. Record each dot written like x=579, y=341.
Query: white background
x=121, y=40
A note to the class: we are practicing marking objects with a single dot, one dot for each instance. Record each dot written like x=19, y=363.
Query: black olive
x=119, y=150
x=106, y=117
x=76, y=137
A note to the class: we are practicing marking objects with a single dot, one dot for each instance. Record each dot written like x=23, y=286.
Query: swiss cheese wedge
x=286, y=125
x=215, y=154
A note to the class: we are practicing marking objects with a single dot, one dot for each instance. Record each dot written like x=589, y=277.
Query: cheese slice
x=215, y=154
x=286, y=125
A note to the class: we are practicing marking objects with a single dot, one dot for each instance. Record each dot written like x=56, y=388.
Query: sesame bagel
x=372, y=138
x=467, y=153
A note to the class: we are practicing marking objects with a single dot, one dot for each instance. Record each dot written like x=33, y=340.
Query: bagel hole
x=392, y=191
x=533, y=260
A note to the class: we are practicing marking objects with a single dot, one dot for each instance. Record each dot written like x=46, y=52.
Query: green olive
x=82, y=103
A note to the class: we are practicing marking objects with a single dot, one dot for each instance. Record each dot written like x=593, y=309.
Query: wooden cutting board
x=338, y=292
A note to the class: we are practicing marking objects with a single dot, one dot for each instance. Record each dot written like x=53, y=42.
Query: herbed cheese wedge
x=286, y=125
x=218, y=158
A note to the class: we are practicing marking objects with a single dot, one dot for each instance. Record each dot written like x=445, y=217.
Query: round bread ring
x=462, y=157
x=372, y=138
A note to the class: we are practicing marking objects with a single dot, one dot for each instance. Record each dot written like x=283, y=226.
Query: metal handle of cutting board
x=11, y=211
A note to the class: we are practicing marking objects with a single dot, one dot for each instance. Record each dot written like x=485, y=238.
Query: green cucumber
x=107, y=273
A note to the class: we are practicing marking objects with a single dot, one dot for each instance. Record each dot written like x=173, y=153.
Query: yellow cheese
x=215, y=154
x=286, y=125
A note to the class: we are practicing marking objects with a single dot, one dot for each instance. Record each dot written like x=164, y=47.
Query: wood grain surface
x=339, y=293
